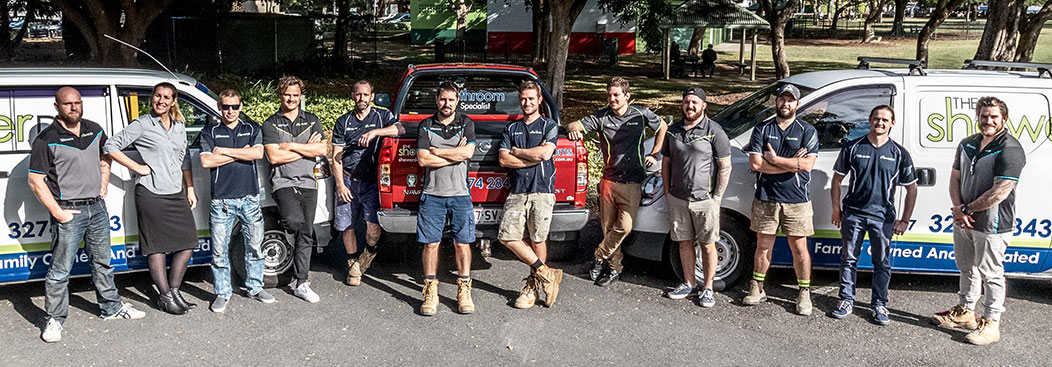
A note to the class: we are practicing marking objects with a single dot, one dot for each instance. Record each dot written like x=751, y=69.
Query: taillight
x=386, y=157
x=582, y=167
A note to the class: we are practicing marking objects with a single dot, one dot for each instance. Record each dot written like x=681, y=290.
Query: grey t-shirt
x=451, y=180
x=621, y=141
x=279, y=129
x=69, y=162
x=694, y=153
x=1003, y=158
x=165, y=151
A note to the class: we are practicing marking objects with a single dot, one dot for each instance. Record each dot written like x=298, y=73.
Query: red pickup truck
x=490, y=97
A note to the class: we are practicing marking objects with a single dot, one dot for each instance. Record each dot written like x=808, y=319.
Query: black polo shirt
x=789, y=187
x=70, y=162
x=539, y=178
x=694, y=153
x=1001, y=159
x=236, y=179
x=875, y=172
x=360, y=161
x=621, y=141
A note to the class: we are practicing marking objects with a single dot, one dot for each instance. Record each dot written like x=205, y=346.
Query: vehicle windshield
x=751, y=110
x=483, y=94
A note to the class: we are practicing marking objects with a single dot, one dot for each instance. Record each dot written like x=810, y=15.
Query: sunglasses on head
x=230, y=107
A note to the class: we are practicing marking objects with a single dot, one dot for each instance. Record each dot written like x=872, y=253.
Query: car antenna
x=174, y=76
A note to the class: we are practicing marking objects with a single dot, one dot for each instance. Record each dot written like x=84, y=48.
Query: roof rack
x=1043, y=70
x=916, y=66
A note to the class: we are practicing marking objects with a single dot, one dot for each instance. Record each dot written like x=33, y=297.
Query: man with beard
x=445, y=143
x=355, y=146
x=695, y=170
x=69, y=176
x=621, y=129
x=527, y=149
x=782, y=152
x=876, y=164
x=292, y=138
x=982, y=188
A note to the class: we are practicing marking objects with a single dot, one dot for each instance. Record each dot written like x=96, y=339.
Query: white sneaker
x=304, y=292
x=126, y=312
x=52, y=332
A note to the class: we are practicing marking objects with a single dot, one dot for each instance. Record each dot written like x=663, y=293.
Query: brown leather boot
x=354, y=272
x=549, y=279
x=528, y=295
x=957, y=317
x=430, y=305
x=464, y=303
x=756, y=294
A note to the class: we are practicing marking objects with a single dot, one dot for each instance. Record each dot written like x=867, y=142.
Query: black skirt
x=166, y=223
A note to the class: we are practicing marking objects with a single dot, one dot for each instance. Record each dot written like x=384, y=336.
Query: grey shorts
x=527, y=213
x=694, y=220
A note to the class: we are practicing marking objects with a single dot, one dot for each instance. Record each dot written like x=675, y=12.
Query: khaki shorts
x=530, y=212
x=694, y=220
x=795, y=219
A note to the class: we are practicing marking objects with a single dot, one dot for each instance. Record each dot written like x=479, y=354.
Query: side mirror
x=382, y=100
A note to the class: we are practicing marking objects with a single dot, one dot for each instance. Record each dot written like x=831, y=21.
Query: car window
x=137, y=102
x=844, y=115
x=483, y=94
x=751, y=110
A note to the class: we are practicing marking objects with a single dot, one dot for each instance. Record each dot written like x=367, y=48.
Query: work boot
x=958, y=316
x=803, y=301
x=549, y=279
x=464, y=303
x=528, y=295
x=430, y=305
x=354, y=272
x=366, y=259
x=756, y=294
x=987, y=332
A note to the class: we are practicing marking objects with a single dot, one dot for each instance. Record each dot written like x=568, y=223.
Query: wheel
x=734, y=253
x=277, y=248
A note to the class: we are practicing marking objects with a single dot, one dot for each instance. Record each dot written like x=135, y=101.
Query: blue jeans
x=853, y=230
x=91, y=225
x=431, y=219
x=224, y=213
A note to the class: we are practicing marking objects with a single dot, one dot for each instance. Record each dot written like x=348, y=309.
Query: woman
x=164, y=192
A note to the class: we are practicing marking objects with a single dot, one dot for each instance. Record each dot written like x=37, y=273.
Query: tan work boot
x=354, y=272
x=528, y=295
x=549, y=279
x=803, y=301
x=366, y=259
x=987, y=332
x=958, y=316
x=430, y=305
x=756, y=294
x=464, y=303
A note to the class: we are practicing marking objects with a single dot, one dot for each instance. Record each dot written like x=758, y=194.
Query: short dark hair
x=883, y=107
x=529, y=84
x=447, y=85
x=619, y=82
x=990, y=101
x=361, y=82
x=287, y=81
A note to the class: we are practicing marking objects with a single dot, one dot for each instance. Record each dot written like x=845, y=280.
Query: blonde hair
x=173, y=111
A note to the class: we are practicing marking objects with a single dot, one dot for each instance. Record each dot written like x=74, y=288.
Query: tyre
x=734, y=254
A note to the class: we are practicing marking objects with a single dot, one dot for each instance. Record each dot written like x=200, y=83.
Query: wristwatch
x=964, y=209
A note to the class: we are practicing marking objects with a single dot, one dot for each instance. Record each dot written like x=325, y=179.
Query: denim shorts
x=363, y=206
x=432, y=218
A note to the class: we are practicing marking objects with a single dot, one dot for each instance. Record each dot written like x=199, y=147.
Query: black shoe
x=167, y=303
x=178, y=298
x=611, y=277
x=597, y=269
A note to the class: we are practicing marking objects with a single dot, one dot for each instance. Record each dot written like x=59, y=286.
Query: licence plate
x=488, y=215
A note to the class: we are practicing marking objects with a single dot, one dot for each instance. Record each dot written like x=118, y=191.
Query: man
x=292, y=138
x=621, y=128
x=708, y=61
x=877, y=164
x=985, y=173
x=782, y=151
x=527, y=149
x=445, y=142
x=69, y=176
x=695, y=170
x=354, y=150
x=229, y=149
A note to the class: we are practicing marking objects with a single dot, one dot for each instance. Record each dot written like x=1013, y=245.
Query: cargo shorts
x=794, y=218
x=526, y=213
x=694, y=220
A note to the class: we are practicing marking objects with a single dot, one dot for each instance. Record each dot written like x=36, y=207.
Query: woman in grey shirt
x=164, y=192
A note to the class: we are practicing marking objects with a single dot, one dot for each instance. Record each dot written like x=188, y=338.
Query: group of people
x=695, y=158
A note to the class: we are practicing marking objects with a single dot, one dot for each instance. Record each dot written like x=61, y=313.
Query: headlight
x=653, y=189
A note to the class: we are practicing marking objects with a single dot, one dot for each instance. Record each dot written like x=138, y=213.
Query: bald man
x=69, y=175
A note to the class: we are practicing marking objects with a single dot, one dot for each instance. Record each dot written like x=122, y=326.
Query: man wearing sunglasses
x=230, y=149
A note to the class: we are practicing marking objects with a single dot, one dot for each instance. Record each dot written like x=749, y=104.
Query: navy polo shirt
x=789, y=187
x=359, y=162
x=539, y=178
x=875, y=172
x=236, y=179
x=69, y=162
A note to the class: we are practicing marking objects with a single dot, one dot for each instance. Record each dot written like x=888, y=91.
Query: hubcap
x=277, y=253
x=727, y=254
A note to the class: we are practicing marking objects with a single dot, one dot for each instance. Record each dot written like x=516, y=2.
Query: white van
x=935, y=110
x=113, y=98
